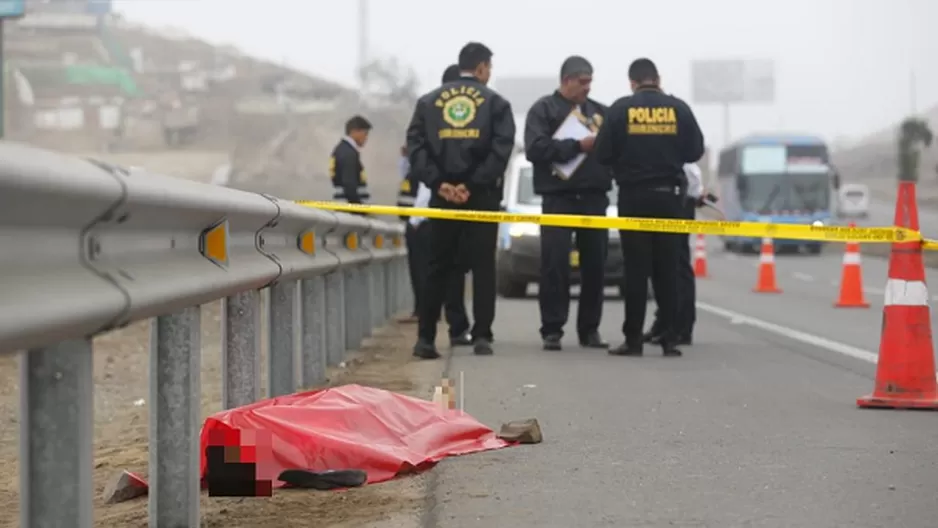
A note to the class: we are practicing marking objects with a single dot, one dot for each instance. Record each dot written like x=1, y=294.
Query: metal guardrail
x=89, y=247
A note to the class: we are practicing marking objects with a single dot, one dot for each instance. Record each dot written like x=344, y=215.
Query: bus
x=779, y=179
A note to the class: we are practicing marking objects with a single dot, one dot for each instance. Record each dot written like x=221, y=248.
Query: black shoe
x=671, y=351
x=685, y=340
x=463, y=339
x=626, y=349
x=426, y=350
x=552, y=342
x=593, y=340
x=482, y=347
x=323, y=480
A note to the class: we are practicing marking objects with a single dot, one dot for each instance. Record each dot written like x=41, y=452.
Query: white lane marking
x=808, y=339
x=802, y=276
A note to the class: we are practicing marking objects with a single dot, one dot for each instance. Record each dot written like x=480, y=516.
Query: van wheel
x=512, y=289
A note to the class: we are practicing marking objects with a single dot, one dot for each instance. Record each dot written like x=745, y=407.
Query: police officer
x=686, y=281
x=584, y=192
x=460, y=139
x=417, y=235
x=349, y=182
x=647, y=139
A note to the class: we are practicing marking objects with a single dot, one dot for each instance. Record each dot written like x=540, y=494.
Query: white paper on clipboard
x=571, y=128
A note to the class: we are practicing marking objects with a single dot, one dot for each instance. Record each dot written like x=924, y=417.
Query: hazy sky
x=843, y=67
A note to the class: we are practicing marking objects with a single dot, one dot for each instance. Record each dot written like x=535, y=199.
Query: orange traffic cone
x=905, y=372
x=766, y=283
x=700, y=256
x=851, y=279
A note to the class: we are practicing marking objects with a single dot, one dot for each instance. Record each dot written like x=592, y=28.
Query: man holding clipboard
x=558, y=140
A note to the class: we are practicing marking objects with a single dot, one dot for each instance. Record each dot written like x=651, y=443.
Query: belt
x=675, y=189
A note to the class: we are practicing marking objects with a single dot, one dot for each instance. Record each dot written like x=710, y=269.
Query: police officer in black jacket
x=349, y=182
x=647, y=139
x=460, y=139
x=418, y=253
x=584, y=192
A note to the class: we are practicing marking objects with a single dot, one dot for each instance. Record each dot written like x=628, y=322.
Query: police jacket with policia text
x=647, y=139
x=347, y=173
x=543, y=151
x=461, y=133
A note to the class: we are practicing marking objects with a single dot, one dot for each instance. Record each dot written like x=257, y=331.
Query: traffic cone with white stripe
x=700, y=257
x=851, y=279
x=766, y=282
x=905, y=372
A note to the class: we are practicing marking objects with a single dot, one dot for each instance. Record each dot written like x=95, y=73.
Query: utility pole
x=363, y=51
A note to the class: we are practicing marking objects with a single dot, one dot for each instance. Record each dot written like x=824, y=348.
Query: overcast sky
x=844, y=68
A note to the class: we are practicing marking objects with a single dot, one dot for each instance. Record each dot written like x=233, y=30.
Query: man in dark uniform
x=460, y=139
x=418, y=252
x=647, y=139
x=583, y=192
x=349, y=182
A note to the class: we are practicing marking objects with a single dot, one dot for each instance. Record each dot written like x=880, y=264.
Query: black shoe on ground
x=463, y=339
x=426, y=350
x=482, y=347
x=652, y=337
x=685, y=340
x=626, y=349
x=323, y=480
x=671, y=351
x=593, y=340
x=552, y=342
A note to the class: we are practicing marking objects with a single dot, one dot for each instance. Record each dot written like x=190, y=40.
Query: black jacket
x=347, y=173
x=647, y=139
x=407, y=193
x=461, y=133
x=543, y=151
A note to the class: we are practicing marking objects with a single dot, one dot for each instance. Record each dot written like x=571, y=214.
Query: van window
x=526, y=194
x=855, y=193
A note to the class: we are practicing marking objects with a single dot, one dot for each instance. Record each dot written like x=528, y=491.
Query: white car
x=853, y=201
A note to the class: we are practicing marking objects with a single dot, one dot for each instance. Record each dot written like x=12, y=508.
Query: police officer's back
x=647, y=139
x=346, y=170
x=582, y=192
x=460, y=140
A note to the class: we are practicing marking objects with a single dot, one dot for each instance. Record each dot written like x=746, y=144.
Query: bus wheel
x=729, y=246
x=814, y=249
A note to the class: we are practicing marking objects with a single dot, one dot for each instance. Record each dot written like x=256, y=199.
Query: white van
x=853, y=201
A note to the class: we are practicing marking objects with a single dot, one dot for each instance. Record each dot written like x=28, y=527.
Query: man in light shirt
x=686, y=282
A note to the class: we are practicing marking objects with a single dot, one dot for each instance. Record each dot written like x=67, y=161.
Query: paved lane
x=753, y=427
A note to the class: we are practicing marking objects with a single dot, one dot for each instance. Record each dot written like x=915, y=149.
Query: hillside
x=83, y=83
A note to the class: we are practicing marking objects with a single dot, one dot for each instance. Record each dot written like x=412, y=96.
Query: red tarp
x=352, y=427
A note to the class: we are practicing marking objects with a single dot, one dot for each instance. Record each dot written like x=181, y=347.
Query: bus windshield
x=774, y=193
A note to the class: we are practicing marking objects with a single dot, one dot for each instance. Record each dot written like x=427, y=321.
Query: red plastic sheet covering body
x=354, y=427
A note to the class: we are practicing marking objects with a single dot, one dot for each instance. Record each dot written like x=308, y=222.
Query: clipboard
x=572, y=127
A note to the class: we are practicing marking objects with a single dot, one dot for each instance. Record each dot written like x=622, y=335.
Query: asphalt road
x=755, y=426
x=883, y=214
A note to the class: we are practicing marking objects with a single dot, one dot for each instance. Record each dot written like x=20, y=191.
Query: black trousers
x=556, y=245
x=650, y=255
x=458, y=247
x=686, y=283
x=418, y=260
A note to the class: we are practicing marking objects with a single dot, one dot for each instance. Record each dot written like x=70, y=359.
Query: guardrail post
x=404, y=295
x=364, y=298
x=336, y=323
x=315, y=330
x=352, y=315
x=387, y=299
x=281, y=353
x=240, y=359
x=377, y=293
x=175, y=417
x=57, y=435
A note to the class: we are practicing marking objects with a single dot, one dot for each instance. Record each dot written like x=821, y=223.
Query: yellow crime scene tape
x=661, y=225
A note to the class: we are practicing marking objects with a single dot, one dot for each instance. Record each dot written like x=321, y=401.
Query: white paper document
x=571, y=128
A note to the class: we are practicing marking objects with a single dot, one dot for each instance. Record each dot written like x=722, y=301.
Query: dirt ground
x=196, y=165
x=121, y=434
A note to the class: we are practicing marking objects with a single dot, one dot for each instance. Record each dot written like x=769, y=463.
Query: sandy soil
x=121, y=434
